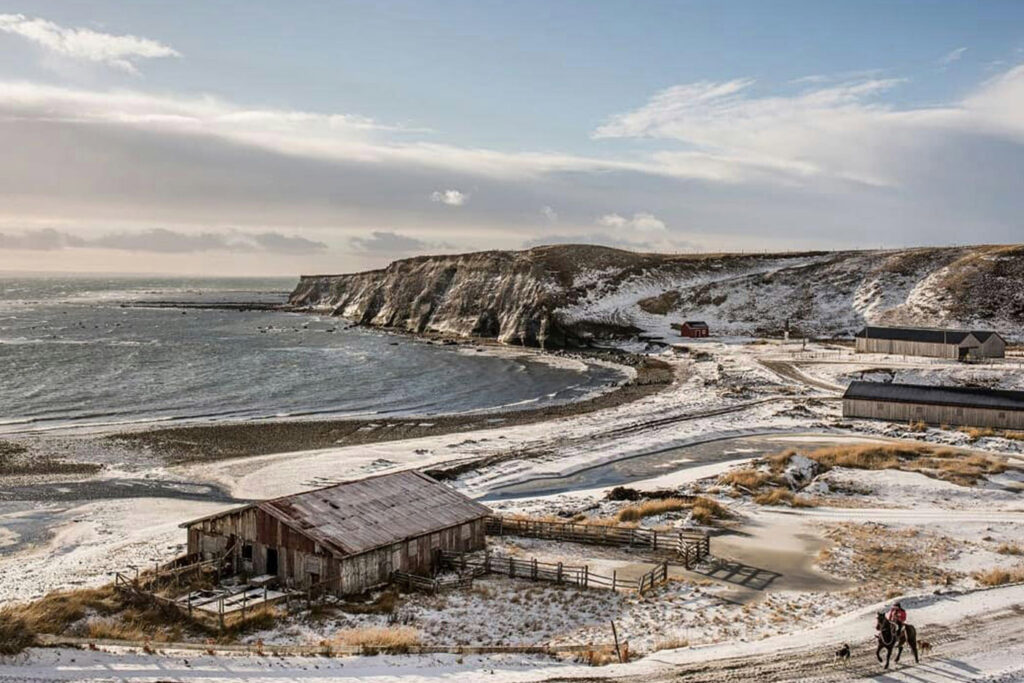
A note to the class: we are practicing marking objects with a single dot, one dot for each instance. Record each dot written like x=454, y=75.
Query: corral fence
x=427, y=584
x=690, y=546
x=475, y=564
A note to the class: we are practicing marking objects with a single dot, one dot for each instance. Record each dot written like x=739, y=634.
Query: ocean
x=75, y=355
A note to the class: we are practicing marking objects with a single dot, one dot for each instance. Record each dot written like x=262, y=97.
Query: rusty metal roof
x=356, y=516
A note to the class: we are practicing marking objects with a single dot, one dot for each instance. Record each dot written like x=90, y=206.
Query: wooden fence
x=691, y=546
x=428, y=584
x=478, y=565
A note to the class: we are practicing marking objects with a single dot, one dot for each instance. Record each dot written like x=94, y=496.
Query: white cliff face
x=565, y=295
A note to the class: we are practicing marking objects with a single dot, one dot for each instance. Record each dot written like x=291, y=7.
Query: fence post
x=615, y=574
x=511, y=568
x=559, y=572
x=534, y=577
x=487, y=561
x=586, y=575
x=655, y=540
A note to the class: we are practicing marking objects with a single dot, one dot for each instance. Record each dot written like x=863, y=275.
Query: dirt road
x=1000, y=632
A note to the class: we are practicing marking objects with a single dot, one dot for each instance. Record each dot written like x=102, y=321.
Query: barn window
x=920, y=409
x=247, y=552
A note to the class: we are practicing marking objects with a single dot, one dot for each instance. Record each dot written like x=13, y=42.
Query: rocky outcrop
x=568, y=295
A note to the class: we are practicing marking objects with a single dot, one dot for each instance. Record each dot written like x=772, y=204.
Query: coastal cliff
x=569, y=295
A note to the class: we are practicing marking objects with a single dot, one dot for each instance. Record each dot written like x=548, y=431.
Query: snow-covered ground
x=782, y=556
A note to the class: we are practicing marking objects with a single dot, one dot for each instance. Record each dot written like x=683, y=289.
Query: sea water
x=80, y=352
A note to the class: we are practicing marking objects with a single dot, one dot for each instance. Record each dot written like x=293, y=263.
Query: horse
x=887, y=639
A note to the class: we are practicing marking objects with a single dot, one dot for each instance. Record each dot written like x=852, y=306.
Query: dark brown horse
x=888, y=639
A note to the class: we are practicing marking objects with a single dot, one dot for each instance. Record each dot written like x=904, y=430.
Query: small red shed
x=694, y=328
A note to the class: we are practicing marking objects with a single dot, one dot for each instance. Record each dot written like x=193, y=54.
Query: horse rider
x=897, y=615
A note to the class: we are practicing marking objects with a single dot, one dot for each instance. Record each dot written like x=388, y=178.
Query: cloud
x=161, y=241
x=119, y=52
x=841, y=132
x=449, y=197
x=385, y=242
x=953, y=56
x=549, y=214
x=641, y=222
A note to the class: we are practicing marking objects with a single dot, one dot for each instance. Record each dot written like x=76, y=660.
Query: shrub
x=1009, y=549
x=919, y=426
x=975, y=433
x=391, y=638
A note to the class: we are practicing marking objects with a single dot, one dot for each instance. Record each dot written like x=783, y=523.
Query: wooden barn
x=694, y=328
x=933, y=342
x=344, y=538
x=961, y=406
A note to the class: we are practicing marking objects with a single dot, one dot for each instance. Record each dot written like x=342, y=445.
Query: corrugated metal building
x=933, y=342
x=961, y=406
x=352, y=535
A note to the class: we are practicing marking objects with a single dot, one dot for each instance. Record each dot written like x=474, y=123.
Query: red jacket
x=897, y=615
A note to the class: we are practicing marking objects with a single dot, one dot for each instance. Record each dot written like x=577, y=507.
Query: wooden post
x=534, y=569
x=487, y=561
x=586, y=575
x=615, y=635
x=655, y=540
x=559, y=572
x=220, y=611
x=615, y=574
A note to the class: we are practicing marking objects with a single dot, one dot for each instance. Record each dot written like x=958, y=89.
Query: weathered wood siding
x=302, y=562
x=993, y=347
x=897, y=347
x=933, y=414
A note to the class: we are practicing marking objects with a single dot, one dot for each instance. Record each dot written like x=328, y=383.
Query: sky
x=277, y=138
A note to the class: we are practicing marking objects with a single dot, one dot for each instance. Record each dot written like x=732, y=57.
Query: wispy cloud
x=393, y=244
x=449, y=197
x=953, y=56
x=641, y=222
x=549, y=213
x=162, y=241
x=120, y=52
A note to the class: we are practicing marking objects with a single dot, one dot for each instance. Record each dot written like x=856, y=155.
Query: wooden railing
x=691, y=546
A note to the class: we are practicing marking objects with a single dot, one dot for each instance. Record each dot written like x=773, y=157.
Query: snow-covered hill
x=565, y=295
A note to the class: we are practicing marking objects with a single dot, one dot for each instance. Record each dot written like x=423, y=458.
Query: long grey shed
x=932, y=342
x=345, y=538
x=962, y=406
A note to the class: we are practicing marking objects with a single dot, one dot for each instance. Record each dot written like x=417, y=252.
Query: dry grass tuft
x=975, y=433
x=650, y=508
x=940, y=463
x=1010, y=549
x=705, y=510
x=389, y=638
x=783, y=497
x=670, y=644
x=55, y=612
x=748, y=478
x=1000, y=577
x=15, y=633
x=918, y=426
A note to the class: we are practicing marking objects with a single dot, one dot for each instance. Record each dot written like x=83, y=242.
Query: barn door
x=272, y=561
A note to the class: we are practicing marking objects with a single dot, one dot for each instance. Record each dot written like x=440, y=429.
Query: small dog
x=843, y=654
x=924, y=647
